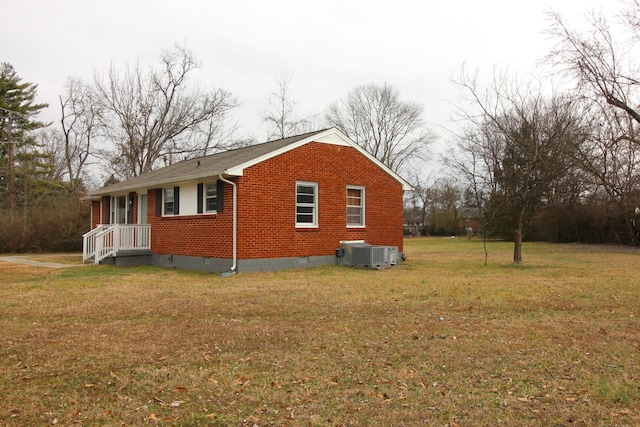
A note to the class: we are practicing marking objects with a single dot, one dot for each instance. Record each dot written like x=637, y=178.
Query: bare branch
x=390, y=129
x=156, y=115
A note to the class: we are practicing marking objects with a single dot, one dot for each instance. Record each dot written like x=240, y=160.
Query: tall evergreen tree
x=17, y=111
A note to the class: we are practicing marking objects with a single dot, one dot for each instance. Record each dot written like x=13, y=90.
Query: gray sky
x=329, y=47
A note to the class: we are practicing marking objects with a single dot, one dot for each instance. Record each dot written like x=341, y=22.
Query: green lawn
x=440, y=340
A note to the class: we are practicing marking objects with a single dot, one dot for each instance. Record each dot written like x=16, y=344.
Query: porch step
x=128, y=258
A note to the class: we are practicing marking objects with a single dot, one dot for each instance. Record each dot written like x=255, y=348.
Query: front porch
x=121, y=244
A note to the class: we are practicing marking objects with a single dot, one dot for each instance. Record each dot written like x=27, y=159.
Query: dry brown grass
x=441, y=340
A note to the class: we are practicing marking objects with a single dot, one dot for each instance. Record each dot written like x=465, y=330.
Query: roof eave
x=160, y=183
x=329, y=136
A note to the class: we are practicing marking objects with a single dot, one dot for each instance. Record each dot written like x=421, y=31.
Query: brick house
x=282, y=204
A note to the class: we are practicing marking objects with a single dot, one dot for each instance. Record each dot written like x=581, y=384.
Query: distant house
x=282, y=204
x=469, y=220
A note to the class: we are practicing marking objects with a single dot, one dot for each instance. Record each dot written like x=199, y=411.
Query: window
x=306, y=204
x=211, y=197
x=169, y=201
x=355, y=207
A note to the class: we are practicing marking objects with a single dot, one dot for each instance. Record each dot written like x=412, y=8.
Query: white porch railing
x=89, y=242
x=108, y=240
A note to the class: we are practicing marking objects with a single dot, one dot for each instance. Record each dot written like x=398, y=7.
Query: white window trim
x=314, y=205
x=362, y=205
x=204, y=196
x=164, y=202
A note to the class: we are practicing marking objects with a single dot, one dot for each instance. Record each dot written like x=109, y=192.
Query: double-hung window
x=306, y=204
x=211, y=197
x=169, y=201
x=355, y=206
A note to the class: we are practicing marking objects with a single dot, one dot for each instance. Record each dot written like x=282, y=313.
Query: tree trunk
x=517, y=245
x=517, y=237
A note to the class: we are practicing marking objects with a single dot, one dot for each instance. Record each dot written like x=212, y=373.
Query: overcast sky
x=329, y=46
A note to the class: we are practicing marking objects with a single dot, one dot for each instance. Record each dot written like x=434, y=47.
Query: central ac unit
x=361, y=254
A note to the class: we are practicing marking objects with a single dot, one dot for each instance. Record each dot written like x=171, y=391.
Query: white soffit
x=330, y=136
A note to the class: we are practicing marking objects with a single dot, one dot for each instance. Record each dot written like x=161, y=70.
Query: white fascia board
x=318, y=137
x=330, y=136
x=348, y=141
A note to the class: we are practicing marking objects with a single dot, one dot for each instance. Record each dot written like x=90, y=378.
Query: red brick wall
x=208, y=236
x=266, y=215
x=95, y=214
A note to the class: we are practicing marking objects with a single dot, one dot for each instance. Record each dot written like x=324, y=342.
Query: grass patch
x=442, y=339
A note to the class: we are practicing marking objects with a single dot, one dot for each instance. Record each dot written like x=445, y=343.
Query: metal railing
x=107, y=240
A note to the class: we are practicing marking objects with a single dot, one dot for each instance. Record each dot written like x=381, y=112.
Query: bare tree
x=390, y=129
x=80, y=117
x=602, y=66
x=435, y=203
x=520, y=144
x=419, y=200
x=602, y=62
x=159, y=115
x=281, y=117
x=612, y=160
x=447, y=198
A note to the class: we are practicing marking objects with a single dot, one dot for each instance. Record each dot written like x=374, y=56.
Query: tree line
x=529, y=160
x=538, y=161
x=130, y=121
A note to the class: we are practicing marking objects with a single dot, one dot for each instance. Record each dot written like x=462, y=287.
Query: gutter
x=232, y=270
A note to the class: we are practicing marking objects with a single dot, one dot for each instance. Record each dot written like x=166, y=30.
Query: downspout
x=232, y=270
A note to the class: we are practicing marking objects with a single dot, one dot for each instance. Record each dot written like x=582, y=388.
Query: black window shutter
x=159, y=202
x=219, y=196
x=176, y=200
x=200, y=198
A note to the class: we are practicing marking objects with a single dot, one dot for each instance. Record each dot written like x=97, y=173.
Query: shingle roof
x=201, y=167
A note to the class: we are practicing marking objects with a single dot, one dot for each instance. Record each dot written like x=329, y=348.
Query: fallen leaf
x=151, y=417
